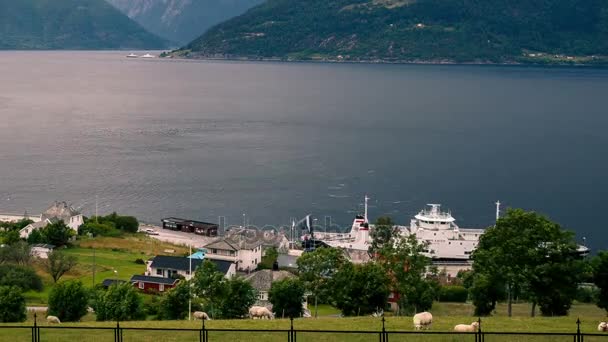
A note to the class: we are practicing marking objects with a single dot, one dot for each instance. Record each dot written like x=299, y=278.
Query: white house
x=41, y=250
x=165, y=266
x=246, y=254
x=58, y=211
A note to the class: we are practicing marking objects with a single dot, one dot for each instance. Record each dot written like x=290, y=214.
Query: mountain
x=181, y=21
x=70, y=24
x=480, y=31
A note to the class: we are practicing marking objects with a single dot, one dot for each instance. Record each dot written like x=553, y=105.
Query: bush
x=453, y=293
x=12, y=305
x=152, y=306
x=174, y=303
x=140, y=261
x=286, y=297
x=120, y=302
x=68, y=301
x=99, y=229
x=587, y=294
x=20, y=276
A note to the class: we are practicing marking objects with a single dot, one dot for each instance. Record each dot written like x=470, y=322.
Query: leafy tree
x=240, y=296
x=12, y=305
x=484, y=292
x=36, y=237
x=18, y=253
x=210, y=285
x=360, y=289
x=16, y=225
x=286, y=297
x=21, y=276
x=174, y=303
x=57, y=264
x=382, y=235
x=68, y=301
x=523, y=251
x=11, y=237
x=600, y=278
x=57, y=233
x=120, y=302
x=453, y=293
x=127, y=223
x=98, y=229
x=317, y=267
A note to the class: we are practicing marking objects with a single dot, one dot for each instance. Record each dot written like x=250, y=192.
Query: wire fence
x=120, y=333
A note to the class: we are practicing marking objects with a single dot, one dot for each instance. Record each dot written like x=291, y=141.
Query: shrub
x=587, y=294
x=21, y=276
x=174, y=304
x=286, y=297
x=120, y=302
x=12, y=304
x=453, y=293
x=68, y=301
x=140, y=261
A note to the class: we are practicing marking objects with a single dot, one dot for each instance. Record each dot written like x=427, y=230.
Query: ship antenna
x=497, y=210
x=365, y=214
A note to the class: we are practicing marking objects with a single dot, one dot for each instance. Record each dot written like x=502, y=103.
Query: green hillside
x=70, y=24
x=414, y=30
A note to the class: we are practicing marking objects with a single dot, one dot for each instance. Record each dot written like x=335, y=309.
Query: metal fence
x=120, y=333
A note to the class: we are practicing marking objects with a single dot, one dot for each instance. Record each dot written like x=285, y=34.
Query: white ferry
x=147, y=56
x=132, y=55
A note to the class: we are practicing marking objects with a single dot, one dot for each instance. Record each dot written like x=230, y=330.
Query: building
x=163, y=266
x=190, y=226
x=262, y=282
x=266, y=237
x=58, y=211
x=41, y=250
x=153, y=284
x=238, y=249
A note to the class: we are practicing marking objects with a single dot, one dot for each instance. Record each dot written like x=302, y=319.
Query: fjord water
x=203, y=139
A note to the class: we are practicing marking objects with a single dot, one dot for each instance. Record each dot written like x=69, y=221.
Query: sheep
x=467, y=327
x=260, y=312
x=603, y=326
x=423, y=320
x=201, y=315
x=53, y=319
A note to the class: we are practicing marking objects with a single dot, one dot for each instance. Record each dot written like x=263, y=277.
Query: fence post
x=384, y=334
x=479, y=337
x=291, y=337
x=34, y=328
x=579, y=337
x=203, y=333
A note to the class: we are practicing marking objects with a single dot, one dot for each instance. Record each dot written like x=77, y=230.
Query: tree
x=57, y=264
x=11, y=237
x=210, y=285
x=57, y=234
x=239, y=297
x=21, y=276
x=68, y=301
x=360, y=289
x=600, y=278
x=99, y=229
x=36, y=237
x=12, y=305
x=174, y=303
x=120, y=302
x=382, y=235
x=18, y=253
x=523, y=251
x=286, y=297
x=317, y=267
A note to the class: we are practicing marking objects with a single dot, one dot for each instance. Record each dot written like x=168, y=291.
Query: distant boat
x=132, y=55
x=147, y=56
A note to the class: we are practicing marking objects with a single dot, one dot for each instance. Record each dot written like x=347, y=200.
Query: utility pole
x=93, y=266
x=96, y=211
x=190, y=285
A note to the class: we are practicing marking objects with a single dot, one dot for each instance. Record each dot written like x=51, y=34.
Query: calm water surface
x=156, y=138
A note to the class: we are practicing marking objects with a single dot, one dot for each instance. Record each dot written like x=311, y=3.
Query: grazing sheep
x=53, y=319
x=603, y=326
x=467, y=327
x=423, y=320
x=260, y=312
x=201, y=315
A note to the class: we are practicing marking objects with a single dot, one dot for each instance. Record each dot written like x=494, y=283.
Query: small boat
x=147, y=56
x=132, y=55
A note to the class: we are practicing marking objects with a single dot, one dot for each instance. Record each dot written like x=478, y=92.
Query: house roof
x=221, y=244
x=110, y=282
x=153, y=280
x=43, y=245
x=251, y=238
x=235, y=242
x=262, y=280
x=183, y=263
x=60, y=210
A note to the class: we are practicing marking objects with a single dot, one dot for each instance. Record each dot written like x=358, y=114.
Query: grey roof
x=153, y=280
x=251, y=238
x=262, y=280
x=110, y=282
x=61, y=211
x=183, y=263
x=43, y=245
x=221, y=244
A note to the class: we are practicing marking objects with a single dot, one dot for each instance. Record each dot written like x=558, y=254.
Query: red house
x=153, y=284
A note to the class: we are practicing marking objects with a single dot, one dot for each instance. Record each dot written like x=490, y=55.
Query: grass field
x=446, y=315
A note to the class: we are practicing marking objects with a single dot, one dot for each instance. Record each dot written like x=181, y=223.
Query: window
x=214, y=251
x=141, y=285
x=256, y=260
x=159, y=272
x=188, y=272
x=161, y=287
x=231, y=253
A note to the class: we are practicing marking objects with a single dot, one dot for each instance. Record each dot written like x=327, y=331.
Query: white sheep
x=53, y=319
x=423, y=320
x=201, y=315
x=467, y=327
x=603, y=326
x=260, y=312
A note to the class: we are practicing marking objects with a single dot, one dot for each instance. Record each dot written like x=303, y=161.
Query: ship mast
x=497, y=210
x=365, y=213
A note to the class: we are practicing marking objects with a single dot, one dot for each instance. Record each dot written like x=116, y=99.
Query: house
x=266, y=237
x=190, y=226
x=58, y=211
x=153, y=284
x=41, y=250
x=238, y=249
x=164, y=266
x=262, y=282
